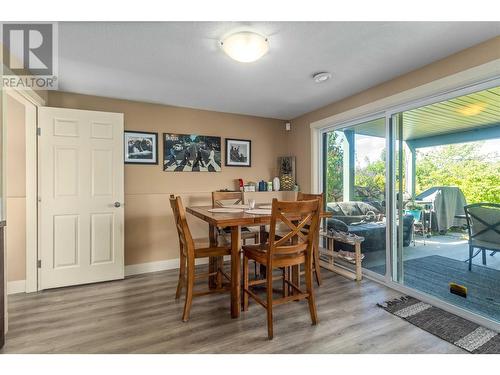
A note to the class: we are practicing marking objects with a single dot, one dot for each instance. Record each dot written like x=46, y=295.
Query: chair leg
x=245, y=283
x=269, y=307
x=220, y=267
x=182, y=275
x=311, y=299
x=189, y=290
x=285, y=278
x=316, y=266
x=471, y=250
x=484, y=257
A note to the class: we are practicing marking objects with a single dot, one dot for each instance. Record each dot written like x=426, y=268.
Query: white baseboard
x=161, y=265
x=18, y=286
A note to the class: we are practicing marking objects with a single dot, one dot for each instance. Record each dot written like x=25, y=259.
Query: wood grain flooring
x=139, y=315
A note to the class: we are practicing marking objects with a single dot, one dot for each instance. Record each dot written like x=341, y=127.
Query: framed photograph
x=191, y=153
x=238, y=153
x=141, y=147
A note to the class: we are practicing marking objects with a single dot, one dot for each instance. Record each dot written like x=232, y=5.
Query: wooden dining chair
x=316, y=267
x=188, y=254
x=219, y=198
x=292, y=249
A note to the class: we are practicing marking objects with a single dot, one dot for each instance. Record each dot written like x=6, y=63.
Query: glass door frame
x=322, y=177
x=391, y=124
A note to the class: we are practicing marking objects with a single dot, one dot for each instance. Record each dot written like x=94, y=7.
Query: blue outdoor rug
x=432, y=275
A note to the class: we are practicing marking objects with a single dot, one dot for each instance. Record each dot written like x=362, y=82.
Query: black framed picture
x=141, y=147
x=238, y=153
x=191, y=153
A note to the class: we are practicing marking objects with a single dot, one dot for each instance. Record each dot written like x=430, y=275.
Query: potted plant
x=414, y=209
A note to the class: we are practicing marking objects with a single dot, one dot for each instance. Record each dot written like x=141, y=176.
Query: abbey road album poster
x=191, y=153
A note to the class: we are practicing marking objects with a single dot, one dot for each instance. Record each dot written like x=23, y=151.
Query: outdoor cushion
x=337, y=225
x=353, y=208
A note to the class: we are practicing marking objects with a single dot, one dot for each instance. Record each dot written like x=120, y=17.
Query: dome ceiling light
x=245, y=46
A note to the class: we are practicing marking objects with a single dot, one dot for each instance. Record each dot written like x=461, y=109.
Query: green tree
x=477, y=174
x=369, y=181
x=334, y=167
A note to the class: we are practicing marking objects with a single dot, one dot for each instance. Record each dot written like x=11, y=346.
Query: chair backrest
x=309, y=197
x=294, y=216
x=186, y=243
x=483, y=221
x=228, y=197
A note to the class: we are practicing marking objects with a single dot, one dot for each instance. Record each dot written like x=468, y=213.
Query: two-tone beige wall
x=299, y=138
x=149, y=230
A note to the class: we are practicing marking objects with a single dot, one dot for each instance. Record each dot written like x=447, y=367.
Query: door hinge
x=38, y=131
x=39, y=263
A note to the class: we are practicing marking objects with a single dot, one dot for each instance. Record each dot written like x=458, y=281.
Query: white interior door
x=81, y=193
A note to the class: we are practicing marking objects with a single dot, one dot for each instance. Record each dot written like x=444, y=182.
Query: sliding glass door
x=422, y=187
x=354, y=185
x=447, y=201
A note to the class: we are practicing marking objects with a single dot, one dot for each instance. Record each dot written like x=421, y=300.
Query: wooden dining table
x=235, y=220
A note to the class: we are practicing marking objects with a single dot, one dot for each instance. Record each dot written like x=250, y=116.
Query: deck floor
x=139, y=315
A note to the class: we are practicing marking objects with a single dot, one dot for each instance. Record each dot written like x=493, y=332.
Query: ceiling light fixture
x=321, y=77
x=245, y=46
x=472, y=109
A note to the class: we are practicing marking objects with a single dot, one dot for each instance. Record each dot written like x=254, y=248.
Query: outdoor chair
x=483, y=222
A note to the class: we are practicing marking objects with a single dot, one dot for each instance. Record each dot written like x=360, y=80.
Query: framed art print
x=191, y=153
x=238, y=153
x=141, y=147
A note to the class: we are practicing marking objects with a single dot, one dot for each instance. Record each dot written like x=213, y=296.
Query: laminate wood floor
x=139, y=315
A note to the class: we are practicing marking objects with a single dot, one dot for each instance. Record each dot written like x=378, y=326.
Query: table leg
x=235, y=271
x=316, y=266
x=213, y=262
x=295, y=269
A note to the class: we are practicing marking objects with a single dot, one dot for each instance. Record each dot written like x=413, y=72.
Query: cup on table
x=251, y=203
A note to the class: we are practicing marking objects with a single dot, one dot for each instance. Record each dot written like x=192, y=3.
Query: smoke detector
x=321, y=77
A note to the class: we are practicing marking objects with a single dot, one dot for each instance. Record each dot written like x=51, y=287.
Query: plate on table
x=236, y=206
x=258, y=211
x=223, y=210
x=266, y=206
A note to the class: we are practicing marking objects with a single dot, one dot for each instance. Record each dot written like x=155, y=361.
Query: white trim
x=316, y=159
x=15, y=287
x=161, y=265
x=30, y=103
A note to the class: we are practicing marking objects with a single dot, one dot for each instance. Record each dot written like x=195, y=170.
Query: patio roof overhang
x=469, y=118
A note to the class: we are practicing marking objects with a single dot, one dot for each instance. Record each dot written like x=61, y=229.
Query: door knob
x=117, y=204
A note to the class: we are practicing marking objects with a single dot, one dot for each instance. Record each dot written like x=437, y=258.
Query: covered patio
x=439, y=245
